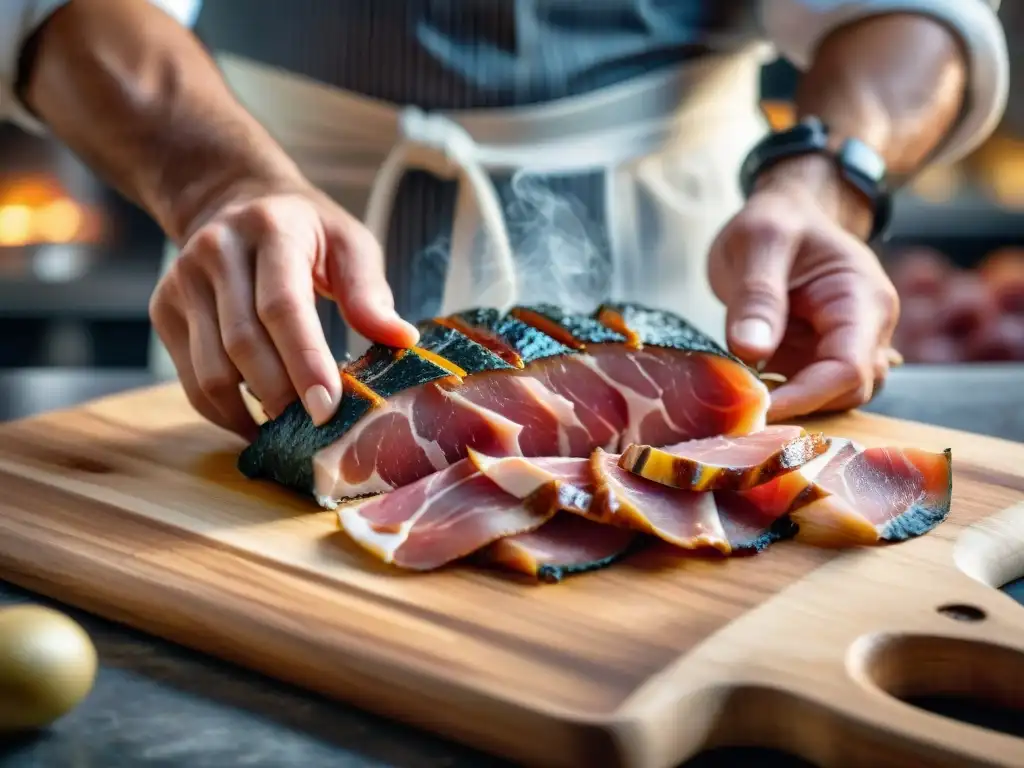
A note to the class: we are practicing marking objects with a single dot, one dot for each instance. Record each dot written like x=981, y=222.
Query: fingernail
x=318, y=404
x=754, y=333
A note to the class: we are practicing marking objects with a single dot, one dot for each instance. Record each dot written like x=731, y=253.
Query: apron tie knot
x=437, y=144
x=438, y=138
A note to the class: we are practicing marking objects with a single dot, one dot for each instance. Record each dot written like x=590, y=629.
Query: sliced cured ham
x=566, y=545
x=726, y=463
x=599, y=489
x=551, y=516
x=441, y=518
x=777, y=497
x=875, y=494
x=686, y=519
x=570, y=479
x=533, y=382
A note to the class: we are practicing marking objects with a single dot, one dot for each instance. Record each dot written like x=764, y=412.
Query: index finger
x=812, y=388
x=845, y=365
x=286, y=307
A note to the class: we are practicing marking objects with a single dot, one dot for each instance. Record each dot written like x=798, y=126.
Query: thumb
x=355, y=269
x=758, y=299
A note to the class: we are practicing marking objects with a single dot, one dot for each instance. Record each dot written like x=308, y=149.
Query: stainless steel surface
x=985, y=398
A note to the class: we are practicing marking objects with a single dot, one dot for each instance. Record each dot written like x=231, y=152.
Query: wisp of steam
x=561, y=252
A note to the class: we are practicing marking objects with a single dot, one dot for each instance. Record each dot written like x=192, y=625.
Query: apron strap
x=435, y=143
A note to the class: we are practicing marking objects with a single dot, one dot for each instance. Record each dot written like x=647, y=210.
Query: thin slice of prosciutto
x=532, y=382
x=442, y=518
x=726, y=463
x=875, y=494
x=566, y=545
x=778, y=497
x=599, y=489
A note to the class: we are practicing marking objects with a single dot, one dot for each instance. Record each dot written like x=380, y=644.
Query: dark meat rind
x=553, y=574
x=527, y=342
x=655, y=328
x=454, y=347
x=284, y=448
x=583, y=329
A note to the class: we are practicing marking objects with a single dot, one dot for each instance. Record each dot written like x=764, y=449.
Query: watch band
x=859, y=165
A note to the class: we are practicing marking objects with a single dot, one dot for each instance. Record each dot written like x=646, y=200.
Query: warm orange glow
x=56, y=221
x=15, y=224
x=939, y=183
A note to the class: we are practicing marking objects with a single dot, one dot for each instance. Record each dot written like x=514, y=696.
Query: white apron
x=675, y=137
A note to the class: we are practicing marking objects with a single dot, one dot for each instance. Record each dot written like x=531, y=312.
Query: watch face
x=863, y=160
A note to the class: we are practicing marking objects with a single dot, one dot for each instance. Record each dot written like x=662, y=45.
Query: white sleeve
x=796, y=27
x=20, y=18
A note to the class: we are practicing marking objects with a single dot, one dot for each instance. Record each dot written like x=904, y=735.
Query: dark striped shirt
x=455, y=54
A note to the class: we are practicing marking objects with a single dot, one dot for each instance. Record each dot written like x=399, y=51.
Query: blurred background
x=78, y=263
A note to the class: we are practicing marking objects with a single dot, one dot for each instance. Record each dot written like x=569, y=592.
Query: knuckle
x=205, y=244
x=278, y=308
x=760, y=294
x=260, y=217
x=164, y=302
x=241, y=340
x=762, y=230
x=206, y=252
x=356, y=241
x=217, y=383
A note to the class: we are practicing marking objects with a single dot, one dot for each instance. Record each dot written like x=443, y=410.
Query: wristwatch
x=859, y=165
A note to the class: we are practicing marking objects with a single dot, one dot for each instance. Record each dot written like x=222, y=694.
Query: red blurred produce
x=1003, y=272
x=1001, y=340
x=950, y=315
x=920, y=272
x=934, y=350
x=917, y=319
x=965, y=307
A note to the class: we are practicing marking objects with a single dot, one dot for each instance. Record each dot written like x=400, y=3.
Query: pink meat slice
x=570, y=478
x=743, y=451
x=873, y=495
x=712, y=396
x=440, y=518
x=597, y=488
x=686, y=519
x=566, y=544
x=565, y=406
x=726, y=463
x=778, y=496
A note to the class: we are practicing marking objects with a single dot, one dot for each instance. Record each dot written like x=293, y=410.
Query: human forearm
x=895, y=82
x=135, y=95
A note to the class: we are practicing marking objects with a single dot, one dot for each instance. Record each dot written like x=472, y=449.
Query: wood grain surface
x=131, y=507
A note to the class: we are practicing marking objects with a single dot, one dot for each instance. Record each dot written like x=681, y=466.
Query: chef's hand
x=238, y=304
x=804, y=294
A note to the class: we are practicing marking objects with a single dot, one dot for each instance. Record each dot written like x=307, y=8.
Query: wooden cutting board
x=131, y=507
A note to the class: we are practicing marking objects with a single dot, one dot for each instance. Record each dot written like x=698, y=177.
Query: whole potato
x=47, y=666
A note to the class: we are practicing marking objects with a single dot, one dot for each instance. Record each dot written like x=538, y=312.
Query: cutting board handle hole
x=962, y=612
x=972, y=681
